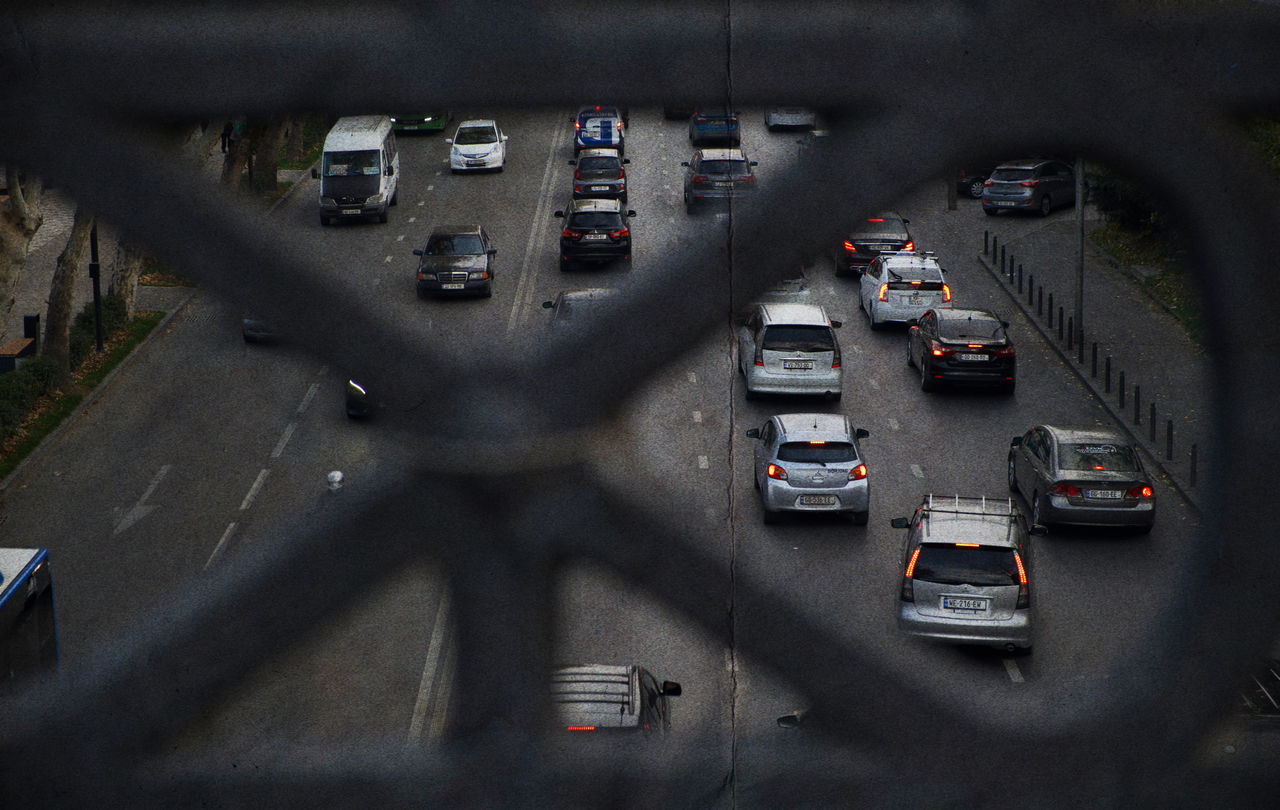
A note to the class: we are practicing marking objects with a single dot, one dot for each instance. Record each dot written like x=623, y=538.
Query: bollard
x=1106, y=388
x=1002, y=258
x=1122, y=390
x=1151, y=423
x=1050, y=310
x=1060, y=326
x=1137, y=404
x=1080, y=349
x=1193, y=465
x=1040, y=302
x=1019, y=279
x=995, y=240
x=1094, y=350
x=986, y=239
x=1168, y=441
x=1010, y=268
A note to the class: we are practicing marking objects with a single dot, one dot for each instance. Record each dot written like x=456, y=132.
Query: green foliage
x=1124, y=201
x=1264, y=133
x=83, y=336
x=19, y=390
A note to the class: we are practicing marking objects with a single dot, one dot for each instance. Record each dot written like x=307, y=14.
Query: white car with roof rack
x=899, y=287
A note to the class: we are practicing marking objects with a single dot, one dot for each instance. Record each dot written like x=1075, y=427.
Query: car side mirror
x=755, y=163
x=671, y=689
x=548, y=304
x=906, y=221
x=504, y=138
x=491, y=252
x=315, y=175
x=631, y=212
x=753, y=433
x=626, y=160
x=861, y=433
x=417, y=251
x=836, y=324
x=792, y=720
x=1039, y=528
x=559, y=214
x=573, y=163
x=898, y=523
x=1017, y=440
x=448, y=140
x=684, y=163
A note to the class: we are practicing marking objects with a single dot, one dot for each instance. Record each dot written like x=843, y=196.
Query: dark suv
x=598, y=697
x=594, y=231
x=883, y=233
x=966, y=572
x=716, y=176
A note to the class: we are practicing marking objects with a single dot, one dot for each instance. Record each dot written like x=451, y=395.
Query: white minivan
x=359, y=169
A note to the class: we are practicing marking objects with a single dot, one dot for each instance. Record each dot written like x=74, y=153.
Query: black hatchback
x=883, y=233
x=962, y=346
x=594, y=231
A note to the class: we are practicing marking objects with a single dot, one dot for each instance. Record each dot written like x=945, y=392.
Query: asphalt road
x=206, y=447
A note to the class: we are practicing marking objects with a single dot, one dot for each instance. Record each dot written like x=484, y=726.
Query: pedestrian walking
x=226, y=135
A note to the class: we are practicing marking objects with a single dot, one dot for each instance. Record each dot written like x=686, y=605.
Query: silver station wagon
x=810, y=462
x=966, y=576
x=790, y=349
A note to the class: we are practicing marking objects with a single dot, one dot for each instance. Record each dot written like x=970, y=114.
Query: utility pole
x=1079, y=319
x=94, y=273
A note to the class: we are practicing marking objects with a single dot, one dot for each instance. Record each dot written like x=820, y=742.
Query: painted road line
x=916, y=471
x=222, y=542
x=1011, y=667
x=423, y=702
x=253, y=490
x=141, y=509
x=288, y=431
x=697, y=417
x=704, y=463
x=893, y=424
x=306, y=400
x=538, y=228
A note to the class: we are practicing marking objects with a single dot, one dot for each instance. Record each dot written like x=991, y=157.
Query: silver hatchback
x=790, y=349
x=810, y=462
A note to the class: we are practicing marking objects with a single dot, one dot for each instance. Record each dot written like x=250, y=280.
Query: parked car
x=678, y=110
x=900, y=287
x=359, y=404
x=611, y=698
x=1091, y=476
x=457, y=259
x=255, y=329
x=422, y=122
x=810, y=462
x=477, y=145
x=969, y=346
x=569, y=305
x=966, y=573
x=599, y=127
x=594, y=231
x=1029, y=185
x=972, y=181
x=714, y=125
x=600, y=175
x=792, y=117
x=716, y=176
x=790, y=349
x=885, y=232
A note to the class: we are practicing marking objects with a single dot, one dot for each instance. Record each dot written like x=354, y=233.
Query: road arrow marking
x=141, y=509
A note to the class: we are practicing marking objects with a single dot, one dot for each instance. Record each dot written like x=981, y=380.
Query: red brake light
x=776, y=472
x=1139, y=492
x=816, y=443
x=699, y=178
x=1024, y=592
x=911, y=564
x=938, y=350
x=946, y=294
x=858, y=473
x=1029, y=183
x=1006, y=351
x=622, y=173
x=620, y=234
x=747, y=178
x=619, y=126
x=875, y=219
x=849, y=246
x=580, y=728
x=568, y=234
x=577, y=174
x=968, y=545
x=1070, y=490
x=909, y=245
x=577, y=126
x=884, y=292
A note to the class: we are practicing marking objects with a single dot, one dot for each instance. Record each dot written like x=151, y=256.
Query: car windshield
x=1098, y=456
x=599, y=164
x=469, y=136
x=454, y=244
x=595, y=219
x=883, y=228
x=817, y=452
x=971, y=328
x=737, y=168
x=1013, y=175
x=798, y=339
x=338, y=164
x=956, y=565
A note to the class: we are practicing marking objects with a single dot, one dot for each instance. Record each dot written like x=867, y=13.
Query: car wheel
x=911, y=358
x=975, y=189
x=1013, y=476
x=927, y=383
x=324, y=220
x=871, y=316
x=382, y=217
x=395, y=198
x=860, y=518
x=833, y=396
x=1046, y=205
x=488, y=290
x=862, y=306
x=1036, y=514
x=752, y=394
x=770, y=517
x=564, y=263
x=422, y=294
x=755, y=480
x=1008, y=388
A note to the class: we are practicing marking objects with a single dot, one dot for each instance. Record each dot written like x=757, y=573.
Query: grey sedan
x=1029, y=185
x=1089, y=476
x=810, y=462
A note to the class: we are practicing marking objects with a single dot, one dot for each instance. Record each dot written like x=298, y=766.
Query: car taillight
x=1029, y=183
x=619, y=126
x=875, y=219
x=946, y=294
x=938, y=350
x=909, y=245
x=580, y=728
x=988, y=182
x=776, y=472
x=622, y=173
x=1024, y=592
x=620, y=234
x=759, y=358
x=1070, y=490
x=835, y=357
x=577, y=126
x=750, y=178
x=699, y=178
x=1140, y=491
x=884, y=292
x=849, y=246
x=858, y=473
x=908, y=592
x=568, y=234
x=701, y=119
x=1006, y=351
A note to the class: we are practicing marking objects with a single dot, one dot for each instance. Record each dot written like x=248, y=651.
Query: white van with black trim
x=359, y=169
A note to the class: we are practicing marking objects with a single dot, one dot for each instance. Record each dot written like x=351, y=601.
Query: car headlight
x=374, y=200
x=328, y=201
x=478, y=275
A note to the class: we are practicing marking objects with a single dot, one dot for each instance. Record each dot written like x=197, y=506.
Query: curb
x=92, y=396
x=1152, y=456
x=306, y=175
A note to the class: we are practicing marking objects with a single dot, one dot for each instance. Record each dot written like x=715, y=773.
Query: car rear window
x=949, y=564
x=798, y=339
x=595, y=219
x=1013, y=175
x=1098, y=456
x=881, y=228
x=599, y=164
x=824, y=452
x=969, y=329
x=737, y=168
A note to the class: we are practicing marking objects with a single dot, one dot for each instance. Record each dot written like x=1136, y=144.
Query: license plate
x=409, y=126
x=1006, y=203
x=915, y=300
x=453, y=286
x=723, y=184
x=799, y=365
x=352, y=211
x=817, y=500
x=973, y=357
x=599, y=188
x=595, y=236
x=1104, y=494
x=963, y=603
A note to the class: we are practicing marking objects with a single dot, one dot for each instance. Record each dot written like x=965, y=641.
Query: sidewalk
x=1156, y=369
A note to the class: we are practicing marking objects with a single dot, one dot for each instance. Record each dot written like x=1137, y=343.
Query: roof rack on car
x=969, y=505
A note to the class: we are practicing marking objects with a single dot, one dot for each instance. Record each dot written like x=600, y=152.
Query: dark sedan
x=884, y=233
x=456, y=260
x=962, y=346
x=1089, y=476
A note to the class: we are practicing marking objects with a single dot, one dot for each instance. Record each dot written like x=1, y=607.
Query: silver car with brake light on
x=811, y=462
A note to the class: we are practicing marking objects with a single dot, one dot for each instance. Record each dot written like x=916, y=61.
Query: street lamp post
x=97, y=292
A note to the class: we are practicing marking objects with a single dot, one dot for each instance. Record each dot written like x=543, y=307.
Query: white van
x=359, y=169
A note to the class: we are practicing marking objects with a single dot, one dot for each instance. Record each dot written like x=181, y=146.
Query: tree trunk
x=296, y=130
x=124, y=276
x=57, y=331
x=237, y=156
x=266, y=154
x=20, y=218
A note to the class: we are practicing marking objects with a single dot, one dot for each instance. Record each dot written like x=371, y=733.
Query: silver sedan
x=810, y=462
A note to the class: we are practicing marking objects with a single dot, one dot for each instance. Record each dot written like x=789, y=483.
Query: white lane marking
x=1011, y=667
x=875, y=384
x=893, y=423
x=697, y=417
x=400, y=238
x=288, y=431
x=693, y=378
x=430, y=187
x=221, y=544
x=916, y=471
x=523, y=299
x=141, y=509
x=253, y=490
x=703, y=463
x=423, y=701
x=306, y=400
x=387, y=260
